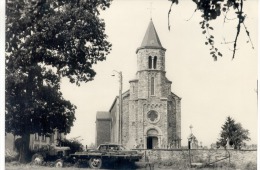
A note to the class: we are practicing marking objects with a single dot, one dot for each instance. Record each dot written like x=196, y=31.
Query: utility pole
x=120, y=106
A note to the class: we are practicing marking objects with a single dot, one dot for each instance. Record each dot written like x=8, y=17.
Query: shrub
x=74, y=144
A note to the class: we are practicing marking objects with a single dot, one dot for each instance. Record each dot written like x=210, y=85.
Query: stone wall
x=114, y=121
x=102, y=131
x=239, y=158
x=125, y=119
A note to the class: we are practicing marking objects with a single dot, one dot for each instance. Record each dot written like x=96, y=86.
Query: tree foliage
x=67, y=35
x=45, y=41
x=211, y=10
x=232, y=134
x=74, y=144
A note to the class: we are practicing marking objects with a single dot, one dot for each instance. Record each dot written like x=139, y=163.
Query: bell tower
x=150, y=55
x=151, y=65
x=154, y=111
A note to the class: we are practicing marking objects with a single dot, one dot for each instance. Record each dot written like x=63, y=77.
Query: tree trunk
x=24, y=153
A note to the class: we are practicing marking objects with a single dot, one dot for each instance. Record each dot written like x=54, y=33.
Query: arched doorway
x=152, y=139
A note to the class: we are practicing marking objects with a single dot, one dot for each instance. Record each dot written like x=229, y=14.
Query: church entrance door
x=152, y=142
x=152, y=139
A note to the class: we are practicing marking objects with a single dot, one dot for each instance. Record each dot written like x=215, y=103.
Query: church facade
x=150, y=113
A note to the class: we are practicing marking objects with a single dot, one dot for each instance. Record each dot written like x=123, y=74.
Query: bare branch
x=235, y=42
x=192, y=15
x=240, y=21
x=247, y=32
x=225, y=16
x=229, y=42
x=169, y=12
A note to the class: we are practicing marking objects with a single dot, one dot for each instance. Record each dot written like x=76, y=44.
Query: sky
x=210, y=90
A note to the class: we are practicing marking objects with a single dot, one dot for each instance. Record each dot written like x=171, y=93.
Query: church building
x=148, y=115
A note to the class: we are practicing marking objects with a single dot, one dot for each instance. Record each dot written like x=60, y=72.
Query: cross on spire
x=191, y=128
x=151, y=9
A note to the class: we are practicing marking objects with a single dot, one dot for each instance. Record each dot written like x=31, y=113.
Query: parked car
x=105, y=154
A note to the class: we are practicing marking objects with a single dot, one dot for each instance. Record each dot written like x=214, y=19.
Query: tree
x=211, y=10
x=232, y=134
x=47, y=40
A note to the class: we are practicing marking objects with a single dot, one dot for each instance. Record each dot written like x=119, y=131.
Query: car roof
x=110, y=144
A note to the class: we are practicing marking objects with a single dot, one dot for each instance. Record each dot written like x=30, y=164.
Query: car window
x=103, y=147
x=111, y=148
x=122, y=148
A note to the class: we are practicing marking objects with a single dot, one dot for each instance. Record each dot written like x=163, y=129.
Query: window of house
x=154, y=62
x=43, y=138
x=150, y=62
x=36, y=136
x=152, y=85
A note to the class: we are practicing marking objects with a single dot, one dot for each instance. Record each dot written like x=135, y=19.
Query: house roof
x=151, y=39
x=102, y=115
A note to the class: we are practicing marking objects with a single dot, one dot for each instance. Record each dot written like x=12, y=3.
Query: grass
x=10, y=166
x=162, y=166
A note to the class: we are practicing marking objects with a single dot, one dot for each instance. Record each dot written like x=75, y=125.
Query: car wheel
x=95, y=163
x=37, y=159
x=58, y=163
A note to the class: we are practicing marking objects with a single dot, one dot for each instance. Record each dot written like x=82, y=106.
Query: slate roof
x=151, y=39
x=102, y=115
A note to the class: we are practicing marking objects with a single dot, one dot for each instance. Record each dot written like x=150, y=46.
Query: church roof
x=151, y=39
x=117, y=98
x=102, y=115
x=175, y=95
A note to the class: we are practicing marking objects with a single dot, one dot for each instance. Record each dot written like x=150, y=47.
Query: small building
x=103, y=126
x=36, y=141
x=42, y=141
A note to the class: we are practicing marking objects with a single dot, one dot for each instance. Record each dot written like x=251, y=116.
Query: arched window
x=154, y=62
x=152, y=85
x=150, y=62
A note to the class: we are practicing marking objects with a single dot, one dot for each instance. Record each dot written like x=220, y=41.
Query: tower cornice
x=149, y=70
x=149, y=47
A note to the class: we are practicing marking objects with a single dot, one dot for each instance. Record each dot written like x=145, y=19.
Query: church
x=148, y=115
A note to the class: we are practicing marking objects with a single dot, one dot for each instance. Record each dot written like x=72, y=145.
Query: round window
x=153, y=116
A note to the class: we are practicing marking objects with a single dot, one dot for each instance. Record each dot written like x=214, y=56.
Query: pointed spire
x=151, y=39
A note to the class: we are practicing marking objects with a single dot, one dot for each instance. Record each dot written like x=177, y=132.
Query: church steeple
x=151, y=39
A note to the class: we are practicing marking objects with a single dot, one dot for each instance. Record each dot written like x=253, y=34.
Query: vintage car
x=105, y=154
